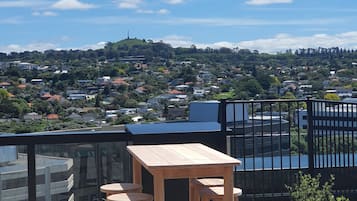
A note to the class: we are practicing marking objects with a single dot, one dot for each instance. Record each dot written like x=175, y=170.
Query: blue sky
x=266, y=25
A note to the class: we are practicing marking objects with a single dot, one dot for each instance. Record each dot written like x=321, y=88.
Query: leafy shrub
x=309, y=189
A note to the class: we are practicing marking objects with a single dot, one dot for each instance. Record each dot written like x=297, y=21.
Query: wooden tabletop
x=179, y=155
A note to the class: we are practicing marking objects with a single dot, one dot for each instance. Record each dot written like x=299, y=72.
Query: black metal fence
x=275, y=139
x=74, y=161
x=78, y=163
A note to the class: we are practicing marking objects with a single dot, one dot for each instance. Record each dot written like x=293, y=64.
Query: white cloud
x=28, y=47
x=279, y=43
x=12, y=20
x=72, y=5
x=46, y=46
x=249, y=22
x=36, y=13
x=283, y=42
x=174, y=1
x=161, y=11
x=49, y=13
x=65, y=38
x=110, y=20
x=218, y=22
x=45, y=13
x=96, y=46
x=145, y=11
x=176, y=41
x=22, y=3
x=183, y=41
x=267, y=2
x=128, y=4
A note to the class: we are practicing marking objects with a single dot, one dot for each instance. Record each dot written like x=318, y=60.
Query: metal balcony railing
x=274, y=139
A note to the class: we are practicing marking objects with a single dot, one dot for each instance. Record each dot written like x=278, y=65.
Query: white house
x=198, y=92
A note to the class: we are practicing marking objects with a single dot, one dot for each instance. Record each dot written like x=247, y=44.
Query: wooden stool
x=130, y=197
x=217, y=193
x=115, y=188
x=196, y=185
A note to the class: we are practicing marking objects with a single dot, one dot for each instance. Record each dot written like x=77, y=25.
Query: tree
x=332, y=97
x=308, y=189
x=264, y=80
x=250, y=85
x=98, y=99
x=4, y=95
x=187, y=74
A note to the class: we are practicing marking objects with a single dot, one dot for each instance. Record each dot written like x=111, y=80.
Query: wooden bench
x=196, y=185
x=130, y=197
x=115, y=188
x=217, y=193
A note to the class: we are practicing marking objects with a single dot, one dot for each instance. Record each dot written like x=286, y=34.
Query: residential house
x=103, y=80
x=61, y=72
x=85, y=83
x=140, y=90
x=52, y=116
x=215, y=88
x=205, y=76
x=341, y=92
x=37, y=81
x=119, y=81
x=77, y=97
x=27, y=66
x=158, y=101
x=111, y=114
x=175, y=92
x=133, y=59
x=56, y=98
x=182, y=87
x=175, y=113
x=4, y=85
x=22, y=80
x=198, y=92
x=175, y=82
x=32, y=116
x=128, y=111
x=142, y=107
x=137, y=118
x=21, y=86
x=90, y=117
x=75, y=117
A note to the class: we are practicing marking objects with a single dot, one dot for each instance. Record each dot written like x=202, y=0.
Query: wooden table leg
x=159, y=187
x=228, y=184
x=137, y=172
x=192, y=191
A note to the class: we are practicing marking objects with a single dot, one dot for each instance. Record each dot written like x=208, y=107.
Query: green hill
x=127, y=44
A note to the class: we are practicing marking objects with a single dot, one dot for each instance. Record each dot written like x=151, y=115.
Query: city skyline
x=266, y=25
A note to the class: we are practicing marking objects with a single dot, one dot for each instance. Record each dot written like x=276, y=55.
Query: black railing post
x=31, y=172
x=310, y=135
x=223, y=115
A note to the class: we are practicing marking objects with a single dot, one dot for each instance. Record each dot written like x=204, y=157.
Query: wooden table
x=177, y=161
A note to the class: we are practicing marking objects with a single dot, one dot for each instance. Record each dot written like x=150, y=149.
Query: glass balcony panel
x=76, y=171
x=13, y=173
